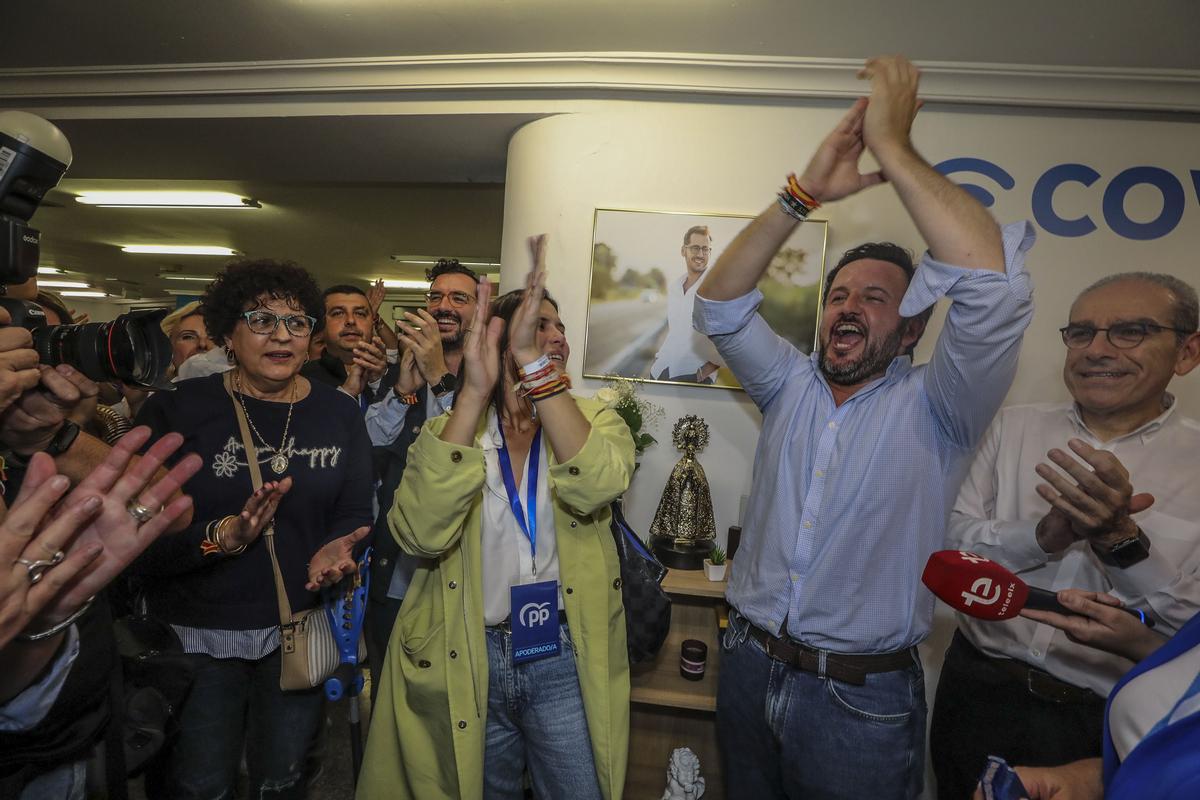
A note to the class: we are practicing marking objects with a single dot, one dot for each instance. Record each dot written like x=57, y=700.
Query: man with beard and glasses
x=351, y=360
x=821, y=692
x=432, y=355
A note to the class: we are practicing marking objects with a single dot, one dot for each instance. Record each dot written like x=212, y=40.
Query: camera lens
x=132, y=349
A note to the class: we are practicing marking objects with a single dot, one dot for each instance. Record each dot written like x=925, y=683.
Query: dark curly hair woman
x=214, y=581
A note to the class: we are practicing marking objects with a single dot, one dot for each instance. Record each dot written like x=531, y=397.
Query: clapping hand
x=335, y=560
x=893, y=104
x=420, y=337
x=1099, y=501
x=481, y=347
x=522, y=334
x=833, y=171
x=256, y=514
x=121, y=510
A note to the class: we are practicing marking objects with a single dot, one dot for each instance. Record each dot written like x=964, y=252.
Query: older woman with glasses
x=214, y=582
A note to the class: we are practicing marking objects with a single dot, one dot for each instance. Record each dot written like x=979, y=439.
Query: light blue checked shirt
x=847, y=503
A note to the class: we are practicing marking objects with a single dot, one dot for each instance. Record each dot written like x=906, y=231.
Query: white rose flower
x=608, y=396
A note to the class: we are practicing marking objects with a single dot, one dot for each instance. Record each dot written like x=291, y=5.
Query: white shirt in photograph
x=685, y=349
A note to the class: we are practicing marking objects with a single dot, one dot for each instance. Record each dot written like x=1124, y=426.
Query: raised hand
x=408, y=377
x=481, y=347
x=893, y=105
x=833, y=171
x=371, y=359
x=335, y=560
x=375, y=295
x=356, y=380
x=28, y=537
x=522, y=333
x=419, y=335
x=1099, y=500
x=115, y=531
x=255, y=515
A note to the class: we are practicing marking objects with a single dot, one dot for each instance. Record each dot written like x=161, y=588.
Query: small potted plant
x=714, y=565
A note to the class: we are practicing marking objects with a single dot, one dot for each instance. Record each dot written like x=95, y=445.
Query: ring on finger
x=139, y=512
x=36, y=569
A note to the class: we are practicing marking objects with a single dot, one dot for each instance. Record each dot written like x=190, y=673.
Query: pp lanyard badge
x=534, y=609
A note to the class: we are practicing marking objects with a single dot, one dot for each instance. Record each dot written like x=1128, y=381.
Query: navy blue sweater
x=330, y=466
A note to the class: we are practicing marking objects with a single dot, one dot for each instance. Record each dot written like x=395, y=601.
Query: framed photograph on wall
x=646, y=266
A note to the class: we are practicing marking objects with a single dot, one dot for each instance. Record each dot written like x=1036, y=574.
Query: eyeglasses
x=697, y=249
x=459, y=299
x=1122, y=335
x=266, y=322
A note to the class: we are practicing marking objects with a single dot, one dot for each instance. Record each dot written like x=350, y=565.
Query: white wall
x=732, y=159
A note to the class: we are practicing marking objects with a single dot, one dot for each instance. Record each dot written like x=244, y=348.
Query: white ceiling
x=1148, y=34
x=341, y=193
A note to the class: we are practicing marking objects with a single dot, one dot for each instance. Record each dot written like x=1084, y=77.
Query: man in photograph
x=687, y=355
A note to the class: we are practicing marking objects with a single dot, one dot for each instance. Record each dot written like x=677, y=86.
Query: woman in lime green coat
x=459, y=714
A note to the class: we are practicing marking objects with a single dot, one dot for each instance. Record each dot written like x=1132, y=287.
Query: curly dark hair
x=448, y=266
x=241, y=283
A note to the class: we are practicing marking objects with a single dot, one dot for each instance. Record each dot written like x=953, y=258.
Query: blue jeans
x=790, y=734
x=535, y=717
x=235, y=702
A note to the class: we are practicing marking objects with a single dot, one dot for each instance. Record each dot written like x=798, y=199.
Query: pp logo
x=979, y=593
x=534, y=615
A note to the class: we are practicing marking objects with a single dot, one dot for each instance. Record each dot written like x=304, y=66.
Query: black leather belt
x=506, y=624
x=846, y=667
x=1039, y=683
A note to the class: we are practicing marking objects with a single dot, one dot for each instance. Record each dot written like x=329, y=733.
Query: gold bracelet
x=220, y=537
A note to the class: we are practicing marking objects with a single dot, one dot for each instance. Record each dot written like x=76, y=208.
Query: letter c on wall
x=1043, y=200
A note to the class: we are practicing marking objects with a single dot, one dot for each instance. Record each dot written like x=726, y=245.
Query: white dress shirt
x=684, y=350
x=998, y=509
x=507, y=557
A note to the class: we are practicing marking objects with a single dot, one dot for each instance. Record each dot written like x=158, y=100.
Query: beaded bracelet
x=795, y=201
x=561, y=384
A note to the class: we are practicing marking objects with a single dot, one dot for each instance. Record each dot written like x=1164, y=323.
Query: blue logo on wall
x=1058, y=220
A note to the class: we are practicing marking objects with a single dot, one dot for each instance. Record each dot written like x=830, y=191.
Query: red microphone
x=981, y=588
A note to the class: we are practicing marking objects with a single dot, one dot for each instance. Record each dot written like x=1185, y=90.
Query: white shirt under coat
x=506, y=555
x=998, y=509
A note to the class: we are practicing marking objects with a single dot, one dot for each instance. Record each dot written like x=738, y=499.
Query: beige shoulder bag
x=309, y=653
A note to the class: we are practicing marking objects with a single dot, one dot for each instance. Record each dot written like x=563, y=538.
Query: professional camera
x=33, y=157
x=132, y=348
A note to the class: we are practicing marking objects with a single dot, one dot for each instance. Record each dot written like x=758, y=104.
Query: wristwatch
x=1126, y=552
x=448, y=383
x=61, y=443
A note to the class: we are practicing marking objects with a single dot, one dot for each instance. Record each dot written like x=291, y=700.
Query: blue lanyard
x=531, y=480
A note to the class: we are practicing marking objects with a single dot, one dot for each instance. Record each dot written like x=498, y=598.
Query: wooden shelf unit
x=668, y=710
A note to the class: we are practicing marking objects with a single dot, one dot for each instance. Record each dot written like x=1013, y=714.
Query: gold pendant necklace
x=279, y=461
